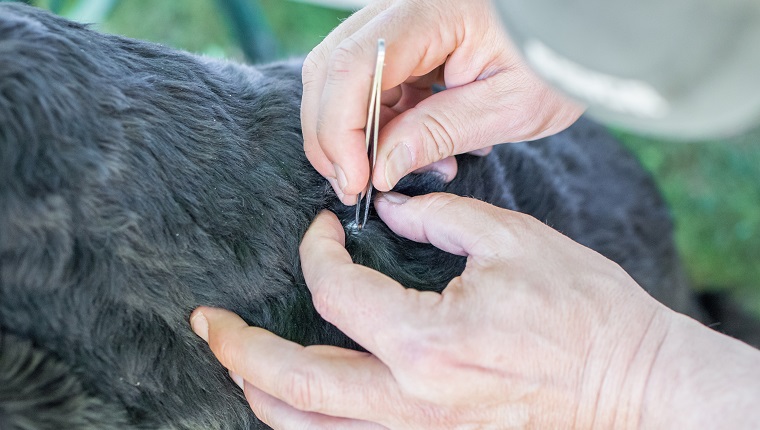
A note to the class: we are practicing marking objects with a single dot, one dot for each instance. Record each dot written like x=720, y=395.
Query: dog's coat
x=138, y=182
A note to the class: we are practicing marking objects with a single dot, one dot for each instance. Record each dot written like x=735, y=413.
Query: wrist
x=619, y=365
x=702, y=379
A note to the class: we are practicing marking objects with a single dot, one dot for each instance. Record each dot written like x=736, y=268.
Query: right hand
x=491, y=97
x=538, y=332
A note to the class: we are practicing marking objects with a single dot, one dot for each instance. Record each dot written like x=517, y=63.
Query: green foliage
x=196, y=26
x=713, y=189
x=200, y=26
x=299, y=26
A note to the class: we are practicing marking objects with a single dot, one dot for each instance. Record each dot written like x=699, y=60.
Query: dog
x=138, y=182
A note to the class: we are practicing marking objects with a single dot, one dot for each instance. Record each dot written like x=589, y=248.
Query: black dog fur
x=138, y=182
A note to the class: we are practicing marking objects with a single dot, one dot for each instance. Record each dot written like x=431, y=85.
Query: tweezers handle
x=371, y=133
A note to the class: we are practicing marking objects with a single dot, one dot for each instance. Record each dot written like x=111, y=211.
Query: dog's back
x=137, y=183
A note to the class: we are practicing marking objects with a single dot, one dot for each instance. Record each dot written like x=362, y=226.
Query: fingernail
x=394, y=198
x=341, y=176
x=200, y=325
x=398, y=164
x=348, y=200
x=238, y=380
x=334, y=183
x=482, y=152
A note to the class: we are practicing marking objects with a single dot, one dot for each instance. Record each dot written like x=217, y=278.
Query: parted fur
x=138, y=182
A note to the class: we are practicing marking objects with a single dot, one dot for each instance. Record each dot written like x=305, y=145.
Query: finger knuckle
x=326, y=287
x=312, y=66
x=513, y=232
x=343, y=59
x=506, y=235
x=438, y=141
x=315, y=156
x=261, y=411
x=226, y=348
x=521, y=224
x=436, y=202
x=302, y=390
x=324, y=131
x=322, y=299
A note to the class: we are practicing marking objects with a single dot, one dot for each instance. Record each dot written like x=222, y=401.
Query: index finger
x=321, y=379
x=337, y=79
x=361, y=302
x=314, y=76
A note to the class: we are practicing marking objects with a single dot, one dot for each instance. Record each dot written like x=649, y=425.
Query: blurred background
x=712, y=187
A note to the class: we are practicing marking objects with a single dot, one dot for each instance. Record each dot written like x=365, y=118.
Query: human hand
x=491, y=97
x=538, y=332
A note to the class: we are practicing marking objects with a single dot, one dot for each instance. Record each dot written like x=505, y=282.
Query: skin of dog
x=138, y=182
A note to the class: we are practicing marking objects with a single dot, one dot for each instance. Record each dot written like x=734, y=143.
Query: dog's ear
x=38, y=392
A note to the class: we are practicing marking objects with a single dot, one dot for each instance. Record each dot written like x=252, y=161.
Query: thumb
x=451, y=122
x=506, y=107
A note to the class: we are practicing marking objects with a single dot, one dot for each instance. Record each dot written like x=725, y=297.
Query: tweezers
x=371, y=131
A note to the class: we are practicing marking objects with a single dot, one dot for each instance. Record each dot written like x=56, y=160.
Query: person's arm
x=491, y=96
x=685, y=69
x=538, y=332
x=702, y=379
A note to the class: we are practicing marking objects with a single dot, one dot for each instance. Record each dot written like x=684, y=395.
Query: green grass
x=298, y=26
x=200, y=26
x=197, y=27
x=712, y=187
